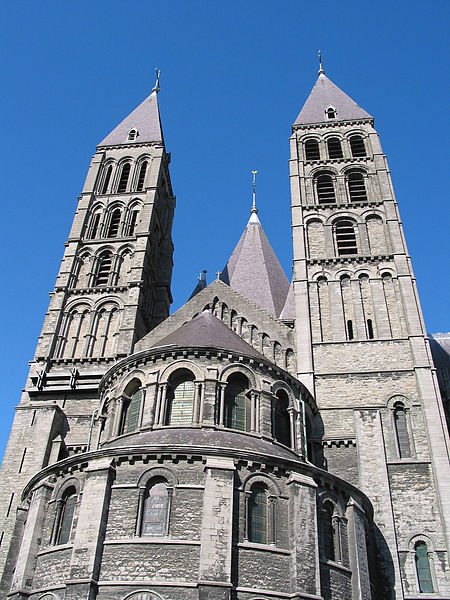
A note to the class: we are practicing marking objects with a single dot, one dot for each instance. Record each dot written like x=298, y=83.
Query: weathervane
x=254, y=209
x=321, y=69
x=156, y=86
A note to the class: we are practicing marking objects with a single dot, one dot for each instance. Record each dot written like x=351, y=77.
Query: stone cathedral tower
x=268, y=440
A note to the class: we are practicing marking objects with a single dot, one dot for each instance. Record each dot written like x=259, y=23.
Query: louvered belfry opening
x=357, y=146
x=114, y=223
x=141, y=179
x=334, y=148
x=325, y=189
x=312, y=151
x=357, y=187
x=345, y=237
x=123, y=182
x=104, y=269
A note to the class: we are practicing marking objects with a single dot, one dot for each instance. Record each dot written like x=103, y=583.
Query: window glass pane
x=156, y=508
x=181, y=405
x=402, y=432
x=258, y=516
x=423, y=568
x=328, y=533
x=66, y=519
x=134, y=410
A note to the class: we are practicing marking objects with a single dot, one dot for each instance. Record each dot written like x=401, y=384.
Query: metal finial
x=254, y=209
x=156, y=86
x=321, y=69
x=202, y=276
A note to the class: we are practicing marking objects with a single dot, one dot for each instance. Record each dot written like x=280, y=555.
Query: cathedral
x=269, y=440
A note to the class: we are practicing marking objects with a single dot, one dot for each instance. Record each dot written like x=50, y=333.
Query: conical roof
x=325, y=94
x=207, y=331
x=254, y=271
x=145, y=119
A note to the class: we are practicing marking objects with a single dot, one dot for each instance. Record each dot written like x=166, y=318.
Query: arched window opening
x=107, y=179
x=330, y=533
x=237, y=403
x=93, y=226
x=345, y=237
x=312, y=151
x=356, y=187
x=370, y=333
x=423, y=568
x=132, y=221
x=104, y=269
x=131, y=408
x=350, y=334
x=357, y=146
x=155, y=514
x=141, y=178
x=132, y=134
x=331, y=112
x=64, y=517
x=401, y=431
x=123, y=181
x=180, y=399
x=281, y=422
x=334, y=148
x=114, y=222
x=257, y=514
x=325, y=189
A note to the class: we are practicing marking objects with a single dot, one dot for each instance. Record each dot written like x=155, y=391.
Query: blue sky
x=234, y=76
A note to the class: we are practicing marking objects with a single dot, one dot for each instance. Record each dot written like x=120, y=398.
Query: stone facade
x=232, y=451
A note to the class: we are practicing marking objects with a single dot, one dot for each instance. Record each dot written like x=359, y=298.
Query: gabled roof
x=207, y=331
x=254, y=271
x=323, y=95
x=145, y=119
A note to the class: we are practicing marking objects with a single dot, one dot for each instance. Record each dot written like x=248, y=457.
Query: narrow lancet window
x=104, y=269
x=237, y=403
x=423, y=568
x=257, y=514
x=64, y=517
x=281, y=423
x=155, y=517
x=131, y=411
x=401, y=431
x=114, y=223
x=123, y=181
x=141, y=178
x=106, y=181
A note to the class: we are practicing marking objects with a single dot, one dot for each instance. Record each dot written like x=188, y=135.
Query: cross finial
x=321, y=69
x=156, y=86
x=254, y=209
x=218, y=274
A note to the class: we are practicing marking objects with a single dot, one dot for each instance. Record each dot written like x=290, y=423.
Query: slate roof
x=185, y=437
x=207, y=331
x=144, y=118
x=288, y=312
x=440, y=349
x=254, y=271
x=324, y=94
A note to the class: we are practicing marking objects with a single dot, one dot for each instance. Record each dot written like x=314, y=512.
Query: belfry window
x=180, y=399
x=93, y=226
x=156, y=509
x=312, y=151
x=401, y=431
x=331, y=112
x=106, y=180
x=123, y=181
x=65, y=510
x=330, y=533
x=345, y=237
x=423, y=568
x=114, y=222
x=104, y=269
x=257, y=514
x=281, y=423
x=325, y=189
x=132, y=221
x=356, y=187
x=237, y=403
x=334, y=148
x=141, y=178
x=357, y=146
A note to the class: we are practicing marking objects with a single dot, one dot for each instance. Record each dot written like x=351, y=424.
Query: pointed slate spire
x=201, y=284
x=144, y=120
x=254, y=271
x=326, y=94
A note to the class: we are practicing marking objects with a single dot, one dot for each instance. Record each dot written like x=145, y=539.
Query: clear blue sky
x=234, y=76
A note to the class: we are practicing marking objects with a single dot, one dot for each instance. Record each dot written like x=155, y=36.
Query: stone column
x=26, y=559
x=90, y=532
x=303, y=536
x=217, y=529
x=358, y=552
